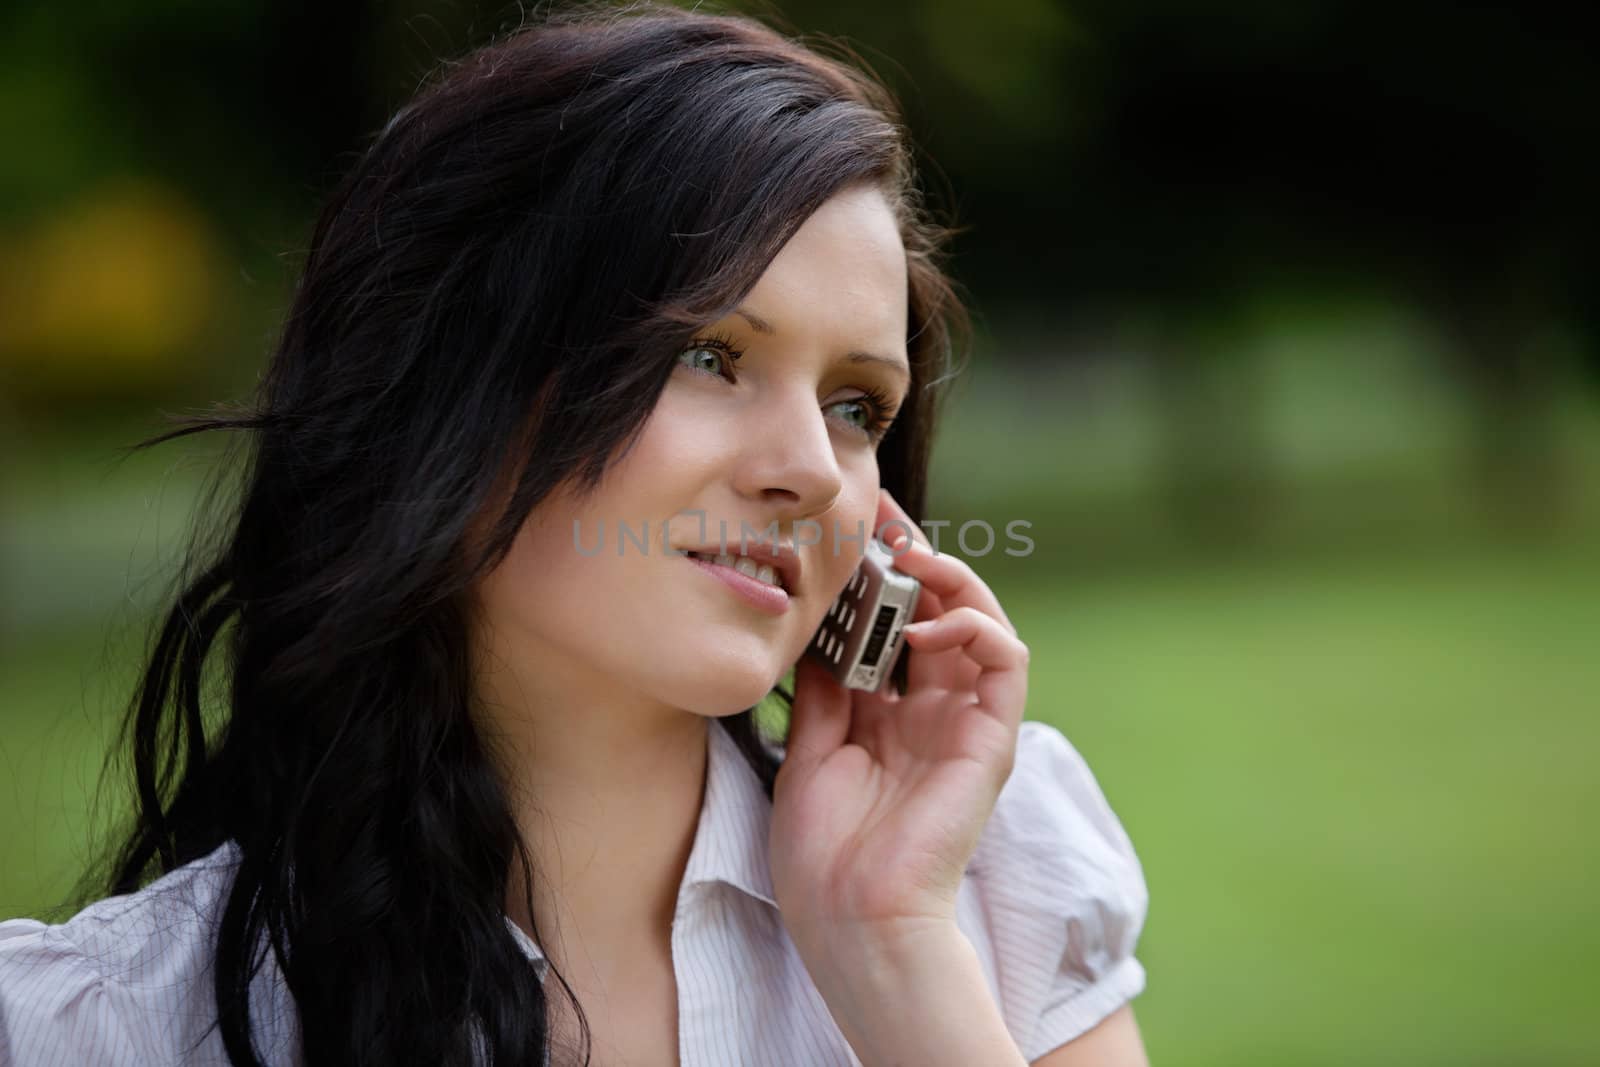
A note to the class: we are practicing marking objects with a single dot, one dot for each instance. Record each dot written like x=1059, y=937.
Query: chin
x=720, y=672
x=722, y=693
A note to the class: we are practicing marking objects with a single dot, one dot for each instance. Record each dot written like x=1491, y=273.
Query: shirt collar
x=730, y=841
x=730, y=844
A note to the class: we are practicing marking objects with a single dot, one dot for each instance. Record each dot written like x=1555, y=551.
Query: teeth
x=764, y=573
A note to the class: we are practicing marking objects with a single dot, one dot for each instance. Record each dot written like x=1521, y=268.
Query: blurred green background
x=1287, y=350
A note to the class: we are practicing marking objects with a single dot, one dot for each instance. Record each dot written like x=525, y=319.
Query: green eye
x=870, y=414
x=862, y=413
x=711, y=355
x=701, y=358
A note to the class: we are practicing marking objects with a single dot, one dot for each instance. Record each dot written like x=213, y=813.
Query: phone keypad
x=865, y=594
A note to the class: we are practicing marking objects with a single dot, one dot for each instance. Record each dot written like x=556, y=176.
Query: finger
x=892, y=521
x=949, y=670
x=819, y=717
x=894, y=525
x=948, y=582
x=929, y=605
x=1002, y=683
x=952, y=580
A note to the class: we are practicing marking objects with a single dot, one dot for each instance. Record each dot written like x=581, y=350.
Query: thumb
x=819, y=718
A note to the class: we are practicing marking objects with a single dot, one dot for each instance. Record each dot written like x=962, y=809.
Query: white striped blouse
x=1053, y=900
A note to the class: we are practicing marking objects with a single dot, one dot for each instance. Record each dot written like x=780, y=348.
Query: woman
x=653, y=269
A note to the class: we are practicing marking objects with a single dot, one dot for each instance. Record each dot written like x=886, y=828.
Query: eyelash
x=879, y=420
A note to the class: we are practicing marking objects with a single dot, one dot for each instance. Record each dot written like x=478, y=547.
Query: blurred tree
x=242, y=105
x=1444, y=154
x=1116, y=161
x=108, y=299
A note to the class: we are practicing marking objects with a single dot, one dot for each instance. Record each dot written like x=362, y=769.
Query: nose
x=788, y=463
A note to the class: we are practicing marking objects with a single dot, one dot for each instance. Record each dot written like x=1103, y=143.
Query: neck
x=606, y=792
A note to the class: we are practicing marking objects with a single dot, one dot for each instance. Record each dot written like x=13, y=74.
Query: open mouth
x=764, y=573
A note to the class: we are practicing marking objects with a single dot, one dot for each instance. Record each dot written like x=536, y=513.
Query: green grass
x=59, y=722
x=1361, y=792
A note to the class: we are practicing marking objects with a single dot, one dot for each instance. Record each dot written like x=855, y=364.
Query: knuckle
x=961, y=567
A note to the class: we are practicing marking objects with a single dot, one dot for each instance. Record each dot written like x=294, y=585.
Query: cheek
x=556, y=550
x=688, y=436
x=842, y=549
x=524, y=579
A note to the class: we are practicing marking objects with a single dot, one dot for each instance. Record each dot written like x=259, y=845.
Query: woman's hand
x=881, y=799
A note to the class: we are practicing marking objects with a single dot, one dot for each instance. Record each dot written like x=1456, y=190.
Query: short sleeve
x=1062, y=894
x=55, y=1006
x=128, y=980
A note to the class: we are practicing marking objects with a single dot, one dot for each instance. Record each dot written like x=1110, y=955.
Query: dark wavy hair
x=489, y=307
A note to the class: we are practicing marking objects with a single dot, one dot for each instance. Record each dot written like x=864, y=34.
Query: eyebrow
x=761, y=325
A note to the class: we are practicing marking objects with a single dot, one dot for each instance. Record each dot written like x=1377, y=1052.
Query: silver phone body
x=862, y=635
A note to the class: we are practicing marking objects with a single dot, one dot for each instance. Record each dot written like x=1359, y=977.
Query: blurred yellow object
x=111, y=294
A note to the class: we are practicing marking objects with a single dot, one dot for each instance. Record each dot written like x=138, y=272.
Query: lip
x=758, y=594
x=783, y=557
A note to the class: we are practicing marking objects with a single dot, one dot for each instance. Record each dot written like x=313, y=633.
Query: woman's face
x=784, y=433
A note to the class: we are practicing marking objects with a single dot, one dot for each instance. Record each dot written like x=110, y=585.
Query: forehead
x=844, y=270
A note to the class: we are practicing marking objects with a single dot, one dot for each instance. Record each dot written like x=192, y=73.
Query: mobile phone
x=861, y=637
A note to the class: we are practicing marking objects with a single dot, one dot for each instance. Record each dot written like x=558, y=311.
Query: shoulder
x=125, y=980
x=1060, y=895
x=1052, y=797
